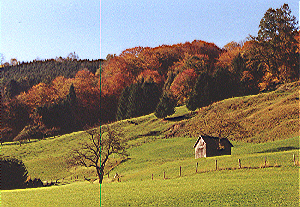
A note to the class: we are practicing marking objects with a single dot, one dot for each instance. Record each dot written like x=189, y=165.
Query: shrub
x=13, y=173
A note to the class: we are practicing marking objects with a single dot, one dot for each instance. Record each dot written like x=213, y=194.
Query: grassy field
x=75, y=194
x=269, y=122
x=47, y=159
x=278, y=184
x=275, y=185
x=259, y=187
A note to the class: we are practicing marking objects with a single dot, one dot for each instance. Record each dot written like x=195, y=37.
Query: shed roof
x=212, y=140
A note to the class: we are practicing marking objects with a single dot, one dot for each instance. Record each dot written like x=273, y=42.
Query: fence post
x=196, y=167
x=152, y=176
x=216, y=164
x=265, y=161
x=179, y=171
x=164, y=175
x=240, y=165
x=294, y=159
x=107, y=174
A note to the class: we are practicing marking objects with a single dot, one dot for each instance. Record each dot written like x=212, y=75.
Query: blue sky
x=131, y=23
x=50, y=28
x=44, y=29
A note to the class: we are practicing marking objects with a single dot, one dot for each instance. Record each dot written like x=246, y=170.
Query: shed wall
x=200, y=149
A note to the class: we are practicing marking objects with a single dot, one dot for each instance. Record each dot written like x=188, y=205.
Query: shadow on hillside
x=125, y=160
x=279, y=149
x=180, y=118
x=151, y=133
x=18, y=143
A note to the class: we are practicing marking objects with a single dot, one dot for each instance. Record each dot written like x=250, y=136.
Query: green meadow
x=259, y=187
x=277, y=184
x=75, y=194
x=268, y=175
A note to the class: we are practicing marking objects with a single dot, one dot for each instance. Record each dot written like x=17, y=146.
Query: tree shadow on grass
x=180, y=118
x=279, y=149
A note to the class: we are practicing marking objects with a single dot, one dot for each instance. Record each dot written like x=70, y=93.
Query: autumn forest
x=50, y=97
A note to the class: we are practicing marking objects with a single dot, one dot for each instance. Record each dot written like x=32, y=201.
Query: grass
x=47, y=159
x=75, y=194
x=273, y=186
x=261, y=187
x=276, y=185
x=168, y=155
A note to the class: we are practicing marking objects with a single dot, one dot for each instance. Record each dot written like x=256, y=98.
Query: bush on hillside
x=13, y=173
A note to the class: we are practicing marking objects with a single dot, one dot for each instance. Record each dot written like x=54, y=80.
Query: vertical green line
x=1, y=93
x=100, y=100
x=100, y=122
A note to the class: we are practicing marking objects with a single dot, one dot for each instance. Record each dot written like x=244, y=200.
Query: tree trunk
x=100, y=173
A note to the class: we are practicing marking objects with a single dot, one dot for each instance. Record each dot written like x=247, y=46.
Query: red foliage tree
x=183, y=85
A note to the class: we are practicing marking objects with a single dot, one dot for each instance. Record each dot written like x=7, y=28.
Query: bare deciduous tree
x=96, y=151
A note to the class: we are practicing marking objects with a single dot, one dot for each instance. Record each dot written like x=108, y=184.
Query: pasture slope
x=267, y=129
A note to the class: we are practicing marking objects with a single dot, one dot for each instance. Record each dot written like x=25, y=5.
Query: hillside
x=260, y=118
x=156, y=146
x=256, y=118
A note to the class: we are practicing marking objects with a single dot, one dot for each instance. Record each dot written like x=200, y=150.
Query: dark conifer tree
x=203, y=92
x=166, y=106
x=71, y=97
x=122, y=104
x=138, y=99
x=238, y=65
x=11, y=89
x=276, y=45
x=150, y=99
x=135, y=100
x=225, y=85
x=61, y=114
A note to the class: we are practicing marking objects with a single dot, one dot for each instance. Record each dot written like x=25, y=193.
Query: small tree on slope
x=96, y=151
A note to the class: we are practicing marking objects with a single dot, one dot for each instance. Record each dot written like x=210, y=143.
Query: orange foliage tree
x=38, y=95
x=231, y=50
x=183, y=85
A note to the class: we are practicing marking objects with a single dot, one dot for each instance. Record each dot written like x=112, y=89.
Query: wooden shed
x=207, y=146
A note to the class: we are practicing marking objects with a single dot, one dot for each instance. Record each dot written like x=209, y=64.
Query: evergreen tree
x=225, y=85
x=138, y=99
x=150, y=99
x=71, y=97
x=238, y=65
x=135, y=100
x=202, y=94
x=166, y=106
x=11, y=89
x=122, y=104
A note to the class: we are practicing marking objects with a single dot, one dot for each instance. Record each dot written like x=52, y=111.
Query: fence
x=239, y=165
